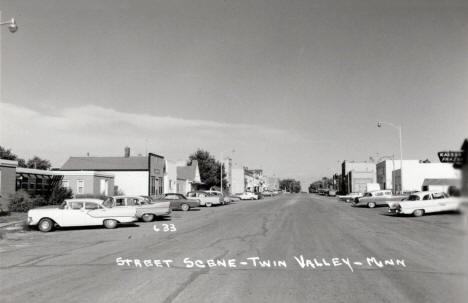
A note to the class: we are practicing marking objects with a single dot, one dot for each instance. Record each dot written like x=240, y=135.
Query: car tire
x=185, y=207
x=207, y=204
x=418, y=212
x=371, y=204
x=110, y=223
x=45, y=225
x=147, y=217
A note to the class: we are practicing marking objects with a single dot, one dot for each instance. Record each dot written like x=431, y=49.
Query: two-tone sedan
x=146, y=210
x=80, y=212
x=179, y=201
x=349, y=197
x=377, y=197
x=424, y=202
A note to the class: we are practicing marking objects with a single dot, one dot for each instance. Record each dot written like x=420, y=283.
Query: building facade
x=7, y=181
x=188, y=177
x=133, y=175
x=88, y=182
x=356, y=175
x=238, y=181
x=384, y=170
x=414, y=175
x=170, y=177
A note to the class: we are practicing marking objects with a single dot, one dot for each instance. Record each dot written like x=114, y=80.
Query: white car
x=206, y=198
x=248, y=196
x=350, y=197
x=80, y=212
x=424, y=202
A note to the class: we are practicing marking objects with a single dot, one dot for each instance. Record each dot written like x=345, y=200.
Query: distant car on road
x=377, y=197
x=267, y=193
x=206, y=199
x=424, y=202
x=80, y=212
x=145, y=209
x=349, y=197
x=248, y=196
x=179, y=201
x=331, y=193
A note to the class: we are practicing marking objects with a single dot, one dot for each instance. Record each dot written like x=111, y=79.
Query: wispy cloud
x=102, y=131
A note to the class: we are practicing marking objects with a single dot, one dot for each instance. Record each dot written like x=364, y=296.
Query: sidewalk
x=12, y=219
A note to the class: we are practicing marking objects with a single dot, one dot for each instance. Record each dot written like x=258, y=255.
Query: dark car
x=179, y=201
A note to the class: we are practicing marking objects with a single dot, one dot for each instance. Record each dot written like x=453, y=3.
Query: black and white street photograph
x=275, y=151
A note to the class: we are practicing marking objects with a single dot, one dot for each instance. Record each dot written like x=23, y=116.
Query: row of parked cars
x=116, y=210
x=417, y=204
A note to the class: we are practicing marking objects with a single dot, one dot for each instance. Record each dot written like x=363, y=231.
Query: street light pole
x=399, y=128
x=12, y=27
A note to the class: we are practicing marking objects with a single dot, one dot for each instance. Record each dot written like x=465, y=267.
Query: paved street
x=79, y=265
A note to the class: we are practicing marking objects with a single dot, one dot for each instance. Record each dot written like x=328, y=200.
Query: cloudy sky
x=293, y=86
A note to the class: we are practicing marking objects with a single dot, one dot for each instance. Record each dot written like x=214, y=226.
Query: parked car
x=377, y=197
x=424, y=202
x=146, y=210
x=179, y=201
x=206, y=199
x=332, y=193
x=267, y=193
x=225, y=199
x=349, y=197
x=248, y=196
x=80, y=212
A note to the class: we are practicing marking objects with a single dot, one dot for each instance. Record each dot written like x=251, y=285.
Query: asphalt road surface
x=82, y=265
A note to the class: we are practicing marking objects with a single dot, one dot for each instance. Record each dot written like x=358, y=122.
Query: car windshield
x=414, y=198
x=367, y=195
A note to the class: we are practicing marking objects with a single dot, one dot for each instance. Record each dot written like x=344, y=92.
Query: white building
x=238, y=180
x=170, y=177
x=414, y=174
x=384, y=170
x=188, y=177
x=141, y=175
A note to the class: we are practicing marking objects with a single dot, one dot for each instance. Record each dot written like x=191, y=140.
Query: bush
x=60, y=194
x=21, y=201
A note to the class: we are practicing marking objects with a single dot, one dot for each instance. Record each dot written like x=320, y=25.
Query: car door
x=442, y=202
x=95, y=213
x=427, y=204
x=74, y=214
x=175, y=200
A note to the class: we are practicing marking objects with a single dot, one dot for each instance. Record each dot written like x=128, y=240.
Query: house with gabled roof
x=133, y=175
x=188, y=177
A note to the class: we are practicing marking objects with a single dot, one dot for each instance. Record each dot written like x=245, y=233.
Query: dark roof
x=187, y=172
x=448, y=182
x=106, y=163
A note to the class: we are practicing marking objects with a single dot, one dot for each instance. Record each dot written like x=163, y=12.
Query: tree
x=210, y=169
x=59, y=194
x=290, y=185
x=38, y=163
x=7, y=154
